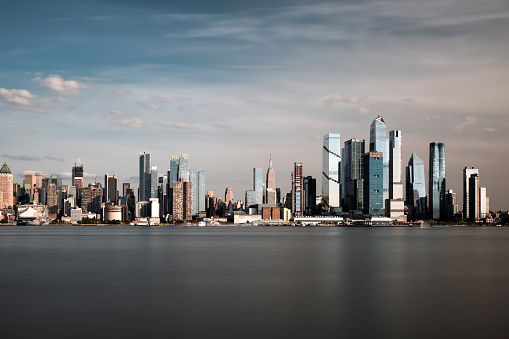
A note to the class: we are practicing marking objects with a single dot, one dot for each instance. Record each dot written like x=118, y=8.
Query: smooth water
x=256, y=282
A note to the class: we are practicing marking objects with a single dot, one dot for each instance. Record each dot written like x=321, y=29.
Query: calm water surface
x=256, y=282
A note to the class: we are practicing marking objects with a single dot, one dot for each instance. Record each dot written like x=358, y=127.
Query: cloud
x=150, y=105
x=55, y=83
x=336, y=99
x=134, y=122
x=68, y=175
x=20, y=157
x=51, y=157
x=363, y=110
x=468, y=121
x=165, y=97
x=489, y=129
x=119, y=91
x=16, y=96
x=176, y=125
x=115, y=114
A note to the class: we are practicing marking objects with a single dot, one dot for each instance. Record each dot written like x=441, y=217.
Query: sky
x=231, y=83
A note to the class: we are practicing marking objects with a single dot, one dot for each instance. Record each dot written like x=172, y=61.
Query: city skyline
x=237, y=82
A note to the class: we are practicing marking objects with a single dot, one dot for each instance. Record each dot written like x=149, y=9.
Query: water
x=255, y=282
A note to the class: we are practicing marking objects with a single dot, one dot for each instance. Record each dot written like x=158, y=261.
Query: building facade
x=373, y=184
x=331, y=166
x=395, y=205
x=378, y=142
x=436, y=186
x=467, y=173
x=6, y=187
x=297, y=183
x=353, y=172
x=416, y=199
x=197, y=178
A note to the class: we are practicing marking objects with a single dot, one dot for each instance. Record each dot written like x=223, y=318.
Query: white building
x=331, y=162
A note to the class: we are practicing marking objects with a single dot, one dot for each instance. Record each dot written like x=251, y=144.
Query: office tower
x=395, y=208
x=467, y=173
x=416, y=188
x=271, y=176
x=258, y=185
x=373, y=184
x=309, y=187
x=125, y=187
x=436, y=187
x=297, y=198
x=29, y=181
x=145, y=177
x=228, y=195
x=353, y=172
x=77, y=174
x=6, y=187
x=52, y=198
x=378, y=143
x=38, y=179
x=250, y=198
x=483, y=203
x=153, y=182
x=197, y=178
x=110, y=192
x=331, y=165
x=55, y=179
x=182, y=200
x=183, y=171
x=452, y=206
x=473, y=197
x=270, y=197
x=278, y=195
x=92, y=198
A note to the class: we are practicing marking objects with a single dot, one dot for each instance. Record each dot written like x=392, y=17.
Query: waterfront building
x=484, y=205
x=309, y=188
x=416, y=199
x=52, y=198
x=153, y=182
x=473, y=197
x=331, y=165
x=145, y=177
x=258, y=185
x=378, y=143
x=77, y=174
x=183, y=171
x=110, y=192
x=6, y=187
x=436, y=187
x=353, y=158
x=228, y=195
x=395, y=205
x=182, y=200
x=38, y=179
x=197, y=177
x=271, y=177
x=297, y=183
x=452, y=206
x=91, y=198
x=467, y=173
x=373, y=184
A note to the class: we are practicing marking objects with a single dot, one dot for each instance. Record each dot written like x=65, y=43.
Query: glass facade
x=353, y=175
x=374, y=203
x=297, y=198
x=436, y=187
x=258, y=185
x=331, y=163
x=197, y=177
x=378, y=142
x=145, y=168
x=416, y=188
x=183, y=171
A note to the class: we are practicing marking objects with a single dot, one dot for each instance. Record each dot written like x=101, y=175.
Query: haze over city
x=229, y=83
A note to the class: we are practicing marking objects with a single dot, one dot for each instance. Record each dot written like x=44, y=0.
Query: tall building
x=331, y=166
x=271, y=177
x=145, y=177
x=77, y=174
x=182, y=200
x=467, y=173
x=52, y=198
x=395, y=207
x=183, y=172
x=378, y=143
x=110, y=192
x=309, y=188
x=416, y=188
x=228, y=195
x=38, y=179
x=353, y=170
x=473, y=197
x=125, y=187
x=452, y=206
x=153, y=182
x=6, y=187
x=484, y=205
x=373, y=184
x=197, y=178
x=92, y=198
x=258, y=185
x=436, y=187
x=297, y=183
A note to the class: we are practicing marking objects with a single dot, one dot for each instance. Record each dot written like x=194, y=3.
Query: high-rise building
x=373, y=184
x=436, y=187
x=452, y=206
x=228, y=195
x=484, y=207
x=309, y=188
x=110, y=192
x=6, y=187
x=182, y=200
x=197, y=177
x=145, y=177
x=153, y=182
x=38, y=179
x=125, y=187
x=258, y=185
x=183, y=172
x=271, y=177
x=77, y=174
x=473, y=197
x=297, y=183
x=331, y=166
x=467, y=173
x=52, y=198
x=395, y=205
x=416, y=188
x=92, y=198
x=353, y=170
x=378, y=143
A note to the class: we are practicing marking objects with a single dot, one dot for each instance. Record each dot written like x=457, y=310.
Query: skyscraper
x=197, y=177
x=153, y=182
x=271, y=176
x=297, y=183
x=373, y=184
x=309, y=188
x=228, y=195
x=331, y=166
x=353, y=169
x=258, y=185
x=182, y=200
x=110, y=192
x=416, y=188
x=437, y=201
x=473, y=197
x=6, y=187
x=77, y=174
x=378, y=143
x=395, y=208
x=483, y=203
x=467, y=173
x=183, y=172
x=145, y=180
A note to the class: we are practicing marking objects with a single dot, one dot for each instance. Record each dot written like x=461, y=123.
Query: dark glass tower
x=437, y=201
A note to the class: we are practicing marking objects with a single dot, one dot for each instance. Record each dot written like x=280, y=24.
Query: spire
x=5, y=169
x=270, y=160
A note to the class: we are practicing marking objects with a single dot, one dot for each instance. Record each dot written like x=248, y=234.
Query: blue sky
x=228, y=82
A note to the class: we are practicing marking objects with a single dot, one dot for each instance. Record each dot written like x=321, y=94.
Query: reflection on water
x=253, y=282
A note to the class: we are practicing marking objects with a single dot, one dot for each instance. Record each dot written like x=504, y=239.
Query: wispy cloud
x=122, y=118
x=21, y=157
x=60, y=86
x=54, y=158
x=16, y=96
x=151, y=105
x=134, y=122
x=175, y=125
x=467, y=122
x=336, y=99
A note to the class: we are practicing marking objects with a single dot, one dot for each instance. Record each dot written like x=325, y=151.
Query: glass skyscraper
x=297, y=183
x=436, y=187
x=197, y=177
x=144, y=176
x=378, y=142
x=353, y=159
x=416, y=188
x=258, y=185
x=331, y=163
x=373, y=184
